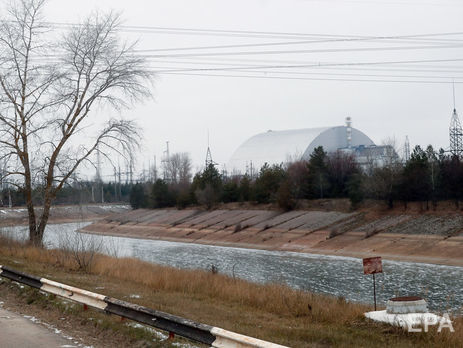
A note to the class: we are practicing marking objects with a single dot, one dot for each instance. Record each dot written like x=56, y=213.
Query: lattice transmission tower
x=456, y=136
x=209, y=161
x=455, y=132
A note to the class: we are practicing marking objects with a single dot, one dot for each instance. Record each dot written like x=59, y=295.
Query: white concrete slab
x=407, y=321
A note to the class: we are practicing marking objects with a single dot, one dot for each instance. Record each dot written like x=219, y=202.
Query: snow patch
x=33, y=319
x=111, y=207
x=69, y=338
x=160, y=335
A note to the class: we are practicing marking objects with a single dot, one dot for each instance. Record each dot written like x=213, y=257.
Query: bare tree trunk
x=44, y=218
x=33, y=238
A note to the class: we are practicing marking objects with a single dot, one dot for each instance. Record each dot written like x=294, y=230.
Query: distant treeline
x=77, y=193
x=428, y=176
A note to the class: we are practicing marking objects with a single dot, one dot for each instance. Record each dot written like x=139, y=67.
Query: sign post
x=373, y=265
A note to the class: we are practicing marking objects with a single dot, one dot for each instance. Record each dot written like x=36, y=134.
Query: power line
x=430, y=68
x=327, y=50
x=311, y=79
x=328, y=64
x=401, y=66
x=304, y=42
x=268, y=69
x=317, y=73
x=389, y=39
x=387, y=2
x=249, y=33
x=319, y=66
x=457, y=44
x=169, y=70
x=262, y=61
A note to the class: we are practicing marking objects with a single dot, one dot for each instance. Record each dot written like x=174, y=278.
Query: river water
x=441, y=286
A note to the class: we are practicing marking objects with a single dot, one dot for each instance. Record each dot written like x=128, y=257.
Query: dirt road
x=18, y=331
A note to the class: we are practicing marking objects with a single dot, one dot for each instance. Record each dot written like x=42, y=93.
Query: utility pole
x=120, y=189
x=131, y=171
x=166, y=163
x=407, y=149
x=155, y=170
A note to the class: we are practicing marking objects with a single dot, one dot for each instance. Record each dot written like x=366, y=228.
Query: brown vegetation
x=271, y=312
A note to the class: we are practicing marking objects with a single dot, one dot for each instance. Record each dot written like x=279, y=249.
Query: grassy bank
x=271, y=312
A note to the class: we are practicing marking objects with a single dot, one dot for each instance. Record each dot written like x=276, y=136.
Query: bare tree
x=48, y=87
x=384, y=177
x=179, y=168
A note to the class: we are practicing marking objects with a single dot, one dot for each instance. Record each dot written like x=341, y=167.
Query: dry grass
x=272, y=312
x=277, y=299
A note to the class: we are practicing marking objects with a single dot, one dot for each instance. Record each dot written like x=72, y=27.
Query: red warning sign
x=372, y=265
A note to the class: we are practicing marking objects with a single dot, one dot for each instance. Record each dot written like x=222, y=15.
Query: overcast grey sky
x=234, y=108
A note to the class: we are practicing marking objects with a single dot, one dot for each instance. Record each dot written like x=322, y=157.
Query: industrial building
x=279, y=147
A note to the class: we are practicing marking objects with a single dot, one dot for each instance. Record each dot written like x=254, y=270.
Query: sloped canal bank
x=441, y=286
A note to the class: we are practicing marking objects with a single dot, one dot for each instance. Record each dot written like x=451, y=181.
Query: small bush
x=80, y=248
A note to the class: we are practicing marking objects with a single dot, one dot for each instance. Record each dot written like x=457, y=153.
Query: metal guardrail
x=212, y=336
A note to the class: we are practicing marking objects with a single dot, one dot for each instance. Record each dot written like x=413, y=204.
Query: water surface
x=441, y=286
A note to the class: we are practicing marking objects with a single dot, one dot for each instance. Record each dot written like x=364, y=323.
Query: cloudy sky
x=387, y=64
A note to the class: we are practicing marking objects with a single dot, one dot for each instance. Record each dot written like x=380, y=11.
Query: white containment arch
x=277, y=147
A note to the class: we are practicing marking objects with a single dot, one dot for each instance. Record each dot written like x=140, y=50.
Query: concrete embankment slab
x=351, y=234
x=428, y=224
x=278, y=220
x=384, y=223
x=307, y=242
x=202, y=219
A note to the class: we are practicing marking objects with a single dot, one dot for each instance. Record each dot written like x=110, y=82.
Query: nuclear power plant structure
x=279, y=147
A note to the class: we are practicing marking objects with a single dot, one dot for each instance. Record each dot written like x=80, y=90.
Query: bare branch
x=45, y=109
